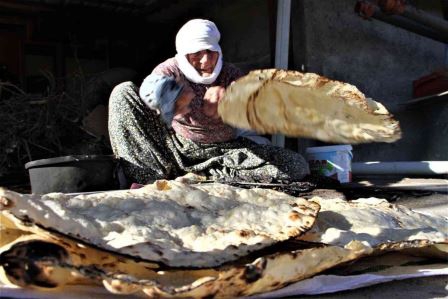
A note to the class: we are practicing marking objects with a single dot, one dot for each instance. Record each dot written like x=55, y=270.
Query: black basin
x=71, y=174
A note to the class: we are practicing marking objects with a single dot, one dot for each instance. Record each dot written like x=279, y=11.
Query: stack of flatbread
x=171, y=239
x=306, y=105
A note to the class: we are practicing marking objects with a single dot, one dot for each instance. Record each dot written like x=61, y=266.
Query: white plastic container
x=333, y=161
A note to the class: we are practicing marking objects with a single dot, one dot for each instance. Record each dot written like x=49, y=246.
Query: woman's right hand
x=212, y=97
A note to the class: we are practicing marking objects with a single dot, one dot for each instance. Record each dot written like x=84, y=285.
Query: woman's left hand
x=211, y=99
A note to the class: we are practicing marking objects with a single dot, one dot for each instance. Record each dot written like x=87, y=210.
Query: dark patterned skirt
x=149, y=150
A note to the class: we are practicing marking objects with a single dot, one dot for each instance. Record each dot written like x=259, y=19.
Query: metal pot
x=71, y=174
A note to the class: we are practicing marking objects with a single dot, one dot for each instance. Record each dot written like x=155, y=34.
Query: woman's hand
x=182, y=105
x=211, y=99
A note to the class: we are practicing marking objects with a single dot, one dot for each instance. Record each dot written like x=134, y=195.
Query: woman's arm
x=214, y=94
x=211, y=99
x=181, y=103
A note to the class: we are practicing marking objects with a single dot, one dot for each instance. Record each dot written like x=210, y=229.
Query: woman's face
x=203, y=61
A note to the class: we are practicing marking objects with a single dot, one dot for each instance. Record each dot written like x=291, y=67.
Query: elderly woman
x=170, y=126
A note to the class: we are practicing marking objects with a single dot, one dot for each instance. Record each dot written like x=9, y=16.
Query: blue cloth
x=160, y=93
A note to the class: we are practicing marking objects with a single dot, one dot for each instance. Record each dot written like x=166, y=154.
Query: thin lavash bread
x=378, y=224
x=26, y=262
x=44, y=259
x=172, y=223
x=306, y=105
x=50, y=264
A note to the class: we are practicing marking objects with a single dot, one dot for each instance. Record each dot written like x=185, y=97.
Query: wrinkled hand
x=211, y=99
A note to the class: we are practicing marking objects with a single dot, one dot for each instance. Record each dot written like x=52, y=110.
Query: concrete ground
x=414, y=288
x=436, y=204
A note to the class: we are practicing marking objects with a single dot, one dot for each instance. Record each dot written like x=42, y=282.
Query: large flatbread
x=306, y=105
x=43, y=258
x=171, y=223
x=46, y=261
x=377, y=224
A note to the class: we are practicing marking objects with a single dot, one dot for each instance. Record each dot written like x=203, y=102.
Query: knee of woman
x=123, y=91
x=124, y=87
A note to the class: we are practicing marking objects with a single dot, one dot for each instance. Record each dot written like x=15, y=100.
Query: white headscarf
x=197, y=35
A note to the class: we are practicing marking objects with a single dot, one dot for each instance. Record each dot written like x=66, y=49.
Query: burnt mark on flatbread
x=66, y=244
x=255, y=271
x=111, y=265
x=26, y=261
x=321, y=81
x=294, y=216
x=83, y=243
x=307, y=210
x=295, y=254
x=37, y=249
x=244, y=233
x=25, y=220
x=27, y=274
x=162, y=185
